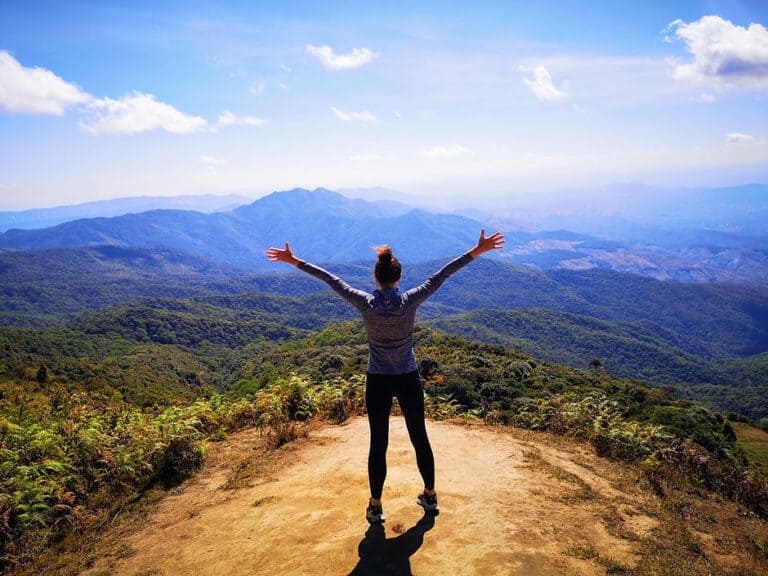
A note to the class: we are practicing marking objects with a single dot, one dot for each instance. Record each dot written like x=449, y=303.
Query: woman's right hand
x=493, y=242
x=286, y=255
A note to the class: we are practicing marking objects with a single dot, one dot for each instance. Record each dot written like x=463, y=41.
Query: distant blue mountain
x=325, y=226
x=322, y=225
x=638, y=211
x=46, y=217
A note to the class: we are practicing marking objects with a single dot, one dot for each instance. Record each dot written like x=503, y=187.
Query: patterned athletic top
x=388, y=315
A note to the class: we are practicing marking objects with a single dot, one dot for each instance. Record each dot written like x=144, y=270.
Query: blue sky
x=466, y=102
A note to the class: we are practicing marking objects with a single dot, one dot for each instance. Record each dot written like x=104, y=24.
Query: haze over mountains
x=722, y=238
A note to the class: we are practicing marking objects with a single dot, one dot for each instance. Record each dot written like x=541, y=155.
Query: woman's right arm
x=357, y=298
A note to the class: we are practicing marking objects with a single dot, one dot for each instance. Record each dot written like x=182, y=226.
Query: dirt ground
x=512, y=503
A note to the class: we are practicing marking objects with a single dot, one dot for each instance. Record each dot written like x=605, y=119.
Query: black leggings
x=379, y=391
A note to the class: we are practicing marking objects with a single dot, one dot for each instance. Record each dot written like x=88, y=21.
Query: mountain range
x=45, y=217
x=559, y=295
x=325, y=226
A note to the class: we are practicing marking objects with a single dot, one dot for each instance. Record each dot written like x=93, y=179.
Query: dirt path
x=509, y=506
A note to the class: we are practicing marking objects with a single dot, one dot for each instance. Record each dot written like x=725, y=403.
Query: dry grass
x=753, y=440
x=583, y=491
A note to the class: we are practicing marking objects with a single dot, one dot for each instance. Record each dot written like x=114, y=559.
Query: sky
x=470, y=101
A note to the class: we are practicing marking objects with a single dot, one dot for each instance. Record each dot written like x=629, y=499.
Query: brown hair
x=387, y=270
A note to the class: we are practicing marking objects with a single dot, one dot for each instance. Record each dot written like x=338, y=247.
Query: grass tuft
x=581, y=552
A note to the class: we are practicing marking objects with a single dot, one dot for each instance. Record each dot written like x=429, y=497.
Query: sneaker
x=429, y=503
x=374, y=514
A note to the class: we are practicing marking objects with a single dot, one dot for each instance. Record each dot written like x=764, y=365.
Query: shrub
x=177, y=460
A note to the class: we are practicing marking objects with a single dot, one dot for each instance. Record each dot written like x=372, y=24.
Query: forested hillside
x=93, y=415
x=698, y=338
x=633, y=350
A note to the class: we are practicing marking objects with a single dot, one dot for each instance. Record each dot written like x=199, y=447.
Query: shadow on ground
x=382, y=556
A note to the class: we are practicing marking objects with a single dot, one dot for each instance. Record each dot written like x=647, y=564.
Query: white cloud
x=365, y=157
x=139, y=112
x=227, y=118
x=738, y=138
x=332, y=61
x=452, y=151
x=364, y=116
x=723, y=52
x=257, y=89
x=282, y=85
x=211, y=160
x=35, y=90
x=542, y=86
x=285, y=68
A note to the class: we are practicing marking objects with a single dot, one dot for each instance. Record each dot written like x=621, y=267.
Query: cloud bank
x=39, y=91
x=139, y=112
x=332, y=61
x=35, y=90
x=723, y=52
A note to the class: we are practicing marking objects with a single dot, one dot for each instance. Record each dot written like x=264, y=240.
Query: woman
x=389, y=316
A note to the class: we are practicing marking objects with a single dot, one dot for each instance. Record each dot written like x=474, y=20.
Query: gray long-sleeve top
x=388, y=315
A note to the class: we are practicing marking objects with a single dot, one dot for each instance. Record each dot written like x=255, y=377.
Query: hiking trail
x=512, y=502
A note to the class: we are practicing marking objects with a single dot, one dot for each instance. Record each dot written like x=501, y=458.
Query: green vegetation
x=69, y=457
x=120, y=377
x=83, y=430
x=639, y=350
x=708, y=341
x=753, y=441
x=46, y=288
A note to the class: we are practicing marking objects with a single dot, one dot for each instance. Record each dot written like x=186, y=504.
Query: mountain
x=324, y=226
x=46, y=217
x=638, y=350
x=629, y=349
x=46, y=287
x=632, y=211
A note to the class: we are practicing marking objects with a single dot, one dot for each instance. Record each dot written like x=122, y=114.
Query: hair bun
x=387, y=270
x=384, y=253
